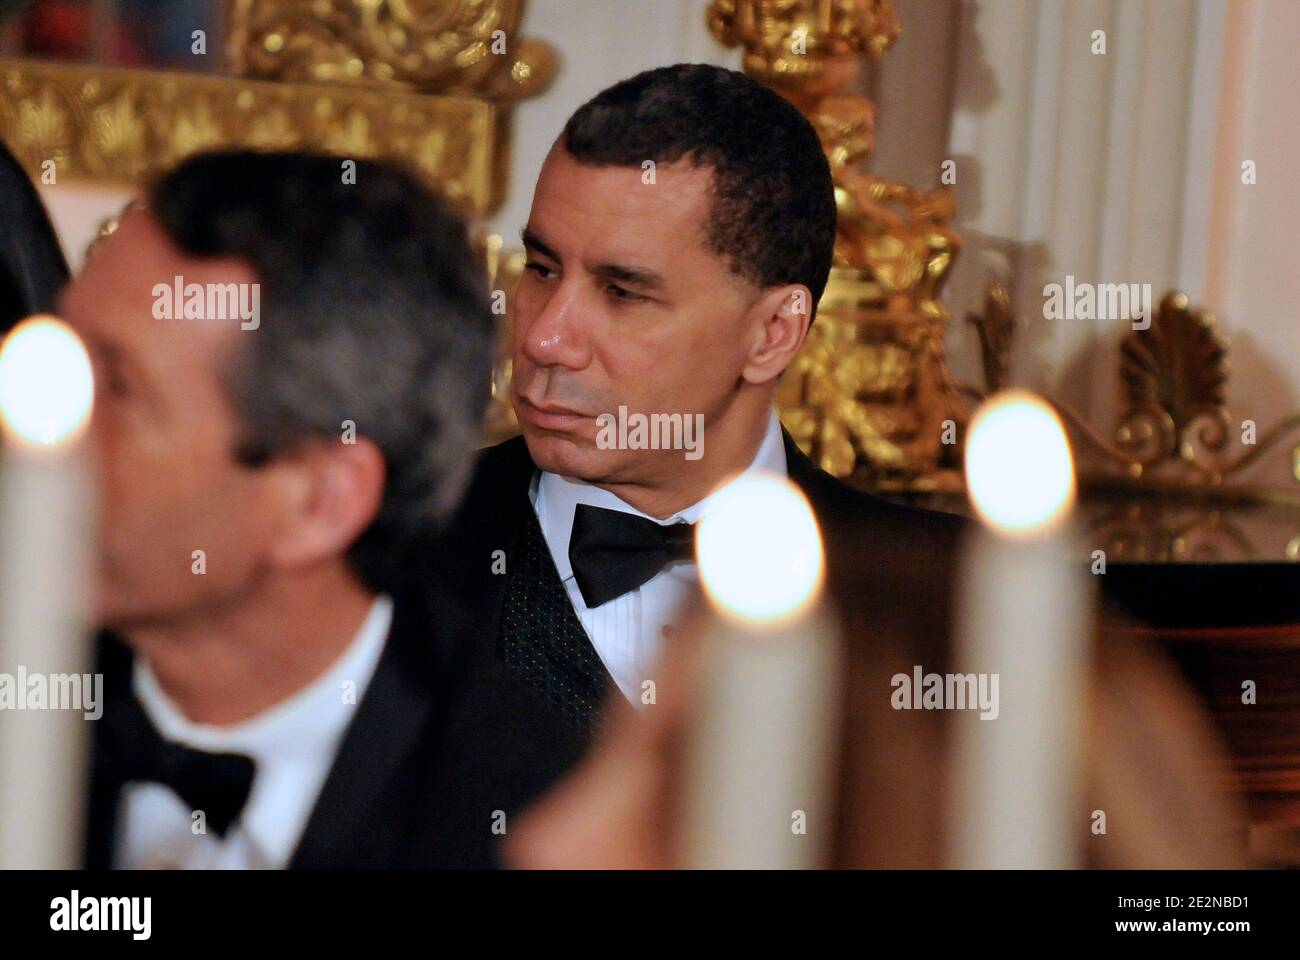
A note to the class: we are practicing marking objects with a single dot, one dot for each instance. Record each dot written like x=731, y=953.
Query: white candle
x=761, y=753
x=1025, y=612
x=46, y=392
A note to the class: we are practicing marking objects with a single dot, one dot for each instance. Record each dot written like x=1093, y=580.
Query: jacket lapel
x=817, y=485
x=113, y=661
x=360, y=811
x=490, y=519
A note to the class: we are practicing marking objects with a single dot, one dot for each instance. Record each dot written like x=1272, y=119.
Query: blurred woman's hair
x=32, y=267
x=1152, y=761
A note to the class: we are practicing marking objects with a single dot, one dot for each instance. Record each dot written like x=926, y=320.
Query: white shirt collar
x=555, y=497
x=293, y=742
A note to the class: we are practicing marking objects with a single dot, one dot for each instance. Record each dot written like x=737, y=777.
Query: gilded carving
x=470, y=47
x=870, y=395
x=1176, y=427
x=119, y=125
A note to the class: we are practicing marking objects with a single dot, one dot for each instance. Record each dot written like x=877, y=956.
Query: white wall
x=1253, y=261
x=78, y=210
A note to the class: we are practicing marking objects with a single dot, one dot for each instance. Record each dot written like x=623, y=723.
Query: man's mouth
x=549, y=416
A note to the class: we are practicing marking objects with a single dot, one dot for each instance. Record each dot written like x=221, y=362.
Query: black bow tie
x=216, y=783
x=613, y=553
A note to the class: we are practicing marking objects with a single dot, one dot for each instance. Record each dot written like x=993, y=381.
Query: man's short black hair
x=773, y=213
x=374, y=310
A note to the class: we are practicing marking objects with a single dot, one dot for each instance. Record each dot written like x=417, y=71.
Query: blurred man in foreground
x=291, y=368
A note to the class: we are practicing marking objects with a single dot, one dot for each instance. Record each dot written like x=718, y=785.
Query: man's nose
x=557, y=336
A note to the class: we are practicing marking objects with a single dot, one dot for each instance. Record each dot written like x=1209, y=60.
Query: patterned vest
x=541, y=638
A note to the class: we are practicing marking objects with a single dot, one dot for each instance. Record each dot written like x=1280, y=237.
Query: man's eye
x=627, y=296
x=111, y=381
x=543, y=272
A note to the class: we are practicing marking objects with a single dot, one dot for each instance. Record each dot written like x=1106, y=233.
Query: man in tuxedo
x=291, y=365
x=680, y=237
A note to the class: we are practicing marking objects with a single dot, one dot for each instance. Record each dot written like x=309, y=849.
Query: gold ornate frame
x=119, y=126
x=426, y=82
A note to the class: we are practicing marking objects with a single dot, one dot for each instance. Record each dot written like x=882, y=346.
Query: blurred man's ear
x=779, y=320
x=330, y=492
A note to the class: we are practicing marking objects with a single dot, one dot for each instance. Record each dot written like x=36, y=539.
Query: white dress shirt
x=293, y=744
x=628, y=631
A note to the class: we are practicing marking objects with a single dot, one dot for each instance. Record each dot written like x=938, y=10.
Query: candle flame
x=47, y=387
x=759, y=551
x=1019, y=470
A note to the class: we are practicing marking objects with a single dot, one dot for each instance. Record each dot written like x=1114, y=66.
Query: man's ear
x=332, y=492
x=780, y=320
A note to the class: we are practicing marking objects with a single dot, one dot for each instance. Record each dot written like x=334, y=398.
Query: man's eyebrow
x=636, y=276
x=116, y=356
x=531, y=239
x=106, y=350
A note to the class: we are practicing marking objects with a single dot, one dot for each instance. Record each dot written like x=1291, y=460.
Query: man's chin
x=569, y=456
x=120, y=611
x=114, y=615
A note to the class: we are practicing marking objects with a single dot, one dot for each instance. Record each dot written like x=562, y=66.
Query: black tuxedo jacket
x=861, y=534
x=442, y=740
